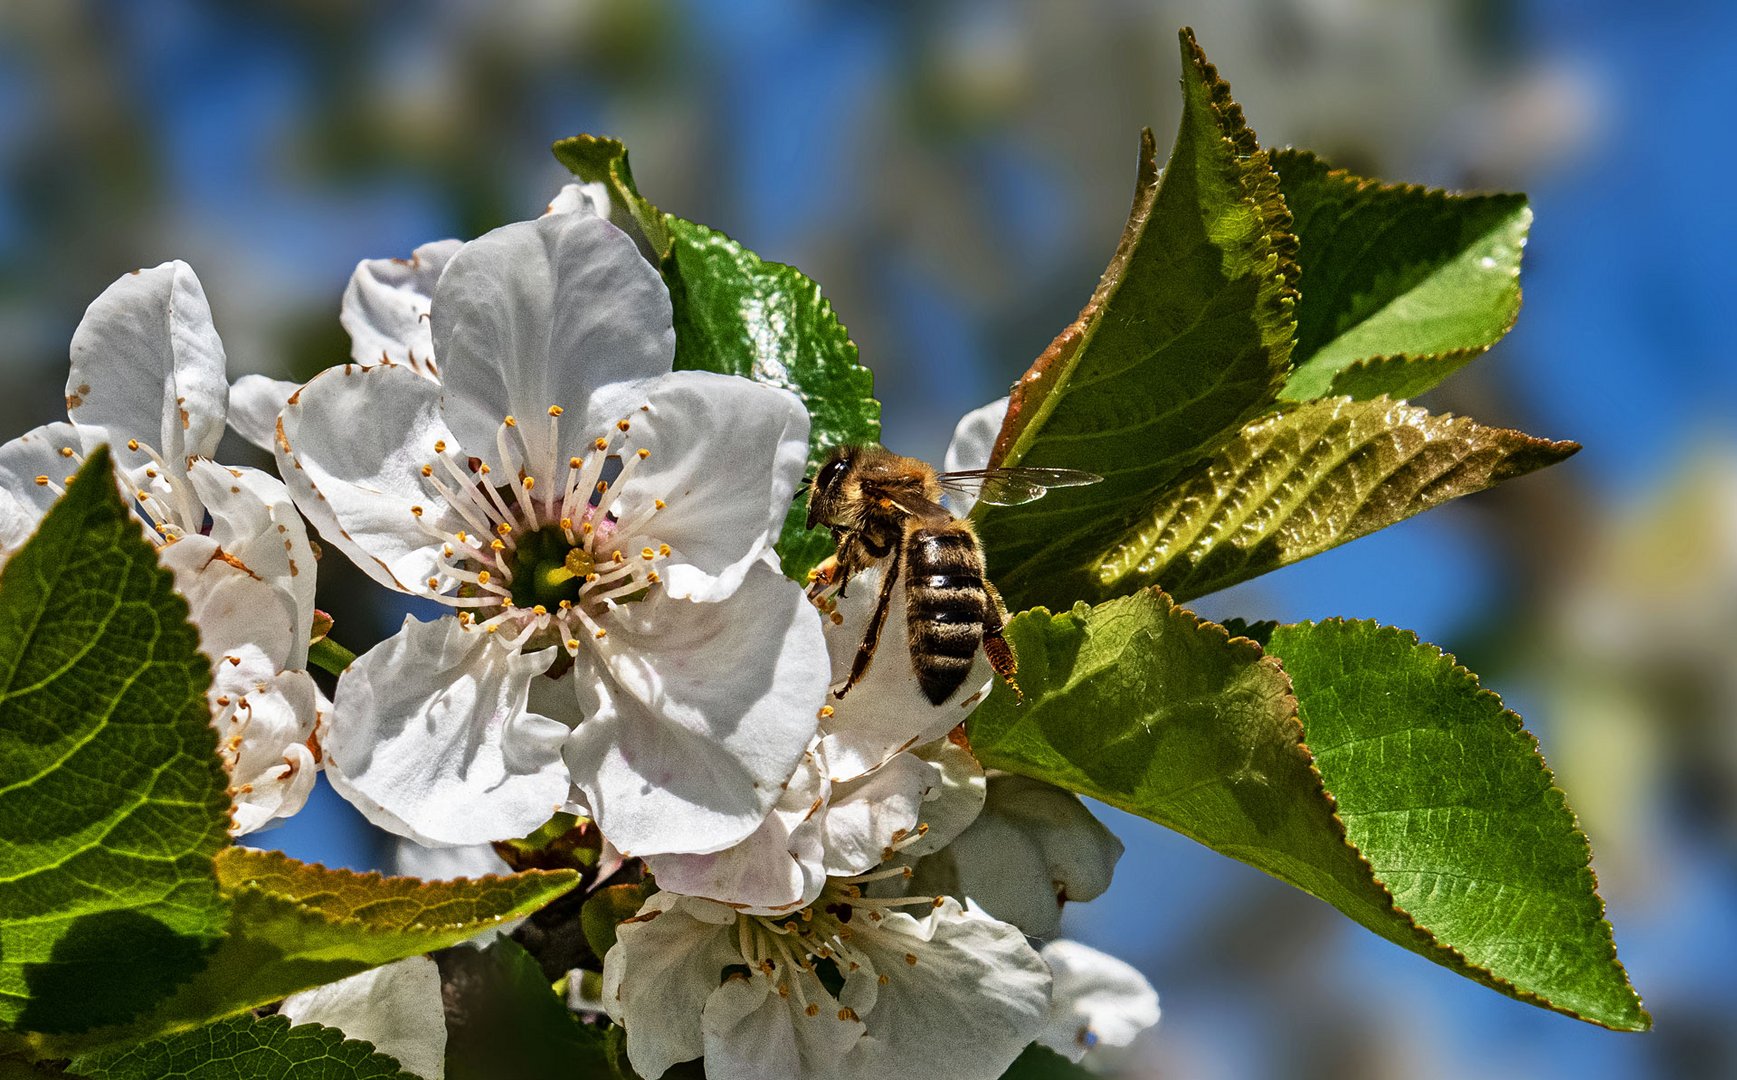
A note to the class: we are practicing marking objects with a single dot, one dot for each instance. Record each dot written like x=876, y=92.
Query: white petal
x=867, y=814
x=397, y=1008
x=254, y=404
x=887, y=711
x=666, y=962
x=753, y=1033
x=726, y=455
x=590, y=199
x=246, y=627
x=974, y=999
x=386, y=304
x=271, y=767
x=561, y=311
x=23, y=501
x=974, y=437
x=1033, y=847
x=1097, y=1002
x=701, y=714
x=445, y=863
x=354, y=441
x=147, y=365
x=777, y=868
x=973, y=442
x=954, y=803
x=253, y=519
x=431, y=737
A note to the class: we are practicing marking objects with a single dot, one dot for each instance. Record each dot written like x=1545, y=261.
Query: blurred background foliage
x=955, y=175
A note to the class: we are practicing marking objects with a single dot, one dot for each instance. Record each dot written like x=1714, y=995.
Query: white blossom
x=1098, y=1004
x=396, y=1008
x=848, y=987
x=1033, y=848
x=147, y=379
x=568, y=497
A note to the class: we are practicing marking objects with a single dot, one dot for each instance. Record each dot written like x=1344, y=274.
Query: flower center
x=548, y=557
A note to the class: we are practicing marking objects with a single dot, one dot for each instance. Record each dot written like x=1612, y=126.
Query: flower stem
x=328, y=655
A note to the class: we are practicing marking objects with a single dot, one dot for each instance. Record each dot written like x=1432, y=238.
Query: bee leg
x=821, y=577
x=871, y=637
x=995, y=646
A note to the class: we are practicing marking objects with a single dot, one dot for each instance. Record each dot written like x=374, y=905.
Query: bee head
x=825, y=486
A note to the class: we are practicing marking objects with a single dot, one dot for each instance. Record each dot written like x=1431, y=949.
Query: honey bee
x=884, y=507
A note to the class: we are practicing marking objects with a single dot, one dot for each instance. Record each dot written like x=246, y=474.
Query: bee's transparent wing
x=1012, y=486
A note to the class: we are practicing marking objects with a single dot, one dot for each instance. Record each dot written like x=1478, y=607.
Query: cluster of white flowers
x=840, y=888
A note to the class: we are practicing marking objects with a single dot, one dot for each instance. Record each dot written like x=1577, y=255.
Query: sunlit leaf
x=112, y=798
x=1139, y=704
x=1415, y=282
x=1444, y=793
x=294, y=926
x=1307, y=478
x=1187, y=337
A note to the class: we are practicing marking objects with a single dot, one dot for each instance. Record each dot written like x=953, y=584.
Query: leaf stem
x=329, y=656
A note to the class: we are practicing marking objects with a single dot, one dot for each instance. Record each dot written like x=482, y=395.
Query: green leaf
x=504, y=1022
x=1414, y=282
x=606, y=909
x=599, y=160
x=1444, y=793
x=1187, y=337
x=740, y=315
x=112, y=798
x=1037, y=1062
x=1140, y=704
x=737, y=314
x=1307, y=478
x=294, y=926
x=243, y=1048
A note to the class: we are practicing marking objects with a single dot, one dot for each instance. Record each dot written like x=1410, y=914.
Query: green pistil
x=547, y=569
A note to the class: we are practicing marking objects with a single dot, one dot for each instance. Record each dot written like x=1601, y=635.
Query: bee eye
x=829, y=474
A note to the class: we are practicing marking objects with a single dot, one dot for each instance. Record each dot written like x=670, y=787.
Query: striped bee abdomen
x=945, y=606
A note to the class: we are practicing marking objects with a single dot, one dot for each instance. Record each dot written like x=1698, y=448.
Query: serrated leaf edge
x=1259, y=182
x=1461, y=963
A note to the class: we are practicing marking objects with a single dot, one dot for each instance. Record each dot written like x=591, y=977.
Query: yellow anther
x=601, y=634
x=428, y=470
x=504, y=528
x=497, y=545
x=440, y=446
x=66, y=451
x=483, y=469
x=574, y=463
x=539, y=610
x=42, y=481
x=659, y=503
x=812, y=1010
x=132, y=444
x=416, y=511
x=572, y=644
x=652, y=578
x=567, y=523
x=152, y=473
x=601, y=444
x=434, y=583
x=644, y=453
x=616, y=555
x=911, y=959
x=647, y=554
x=554, y=410
x=602, y=486
x=589, y=578
x=663, y=549
x=586, y=528
x=482, y=577
x=463, y=537
x=510, y=422
x=623, y=424
x=565, y=604
x=491, y=629
x=530, y=482
x=826, y=711
x=837, y=619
